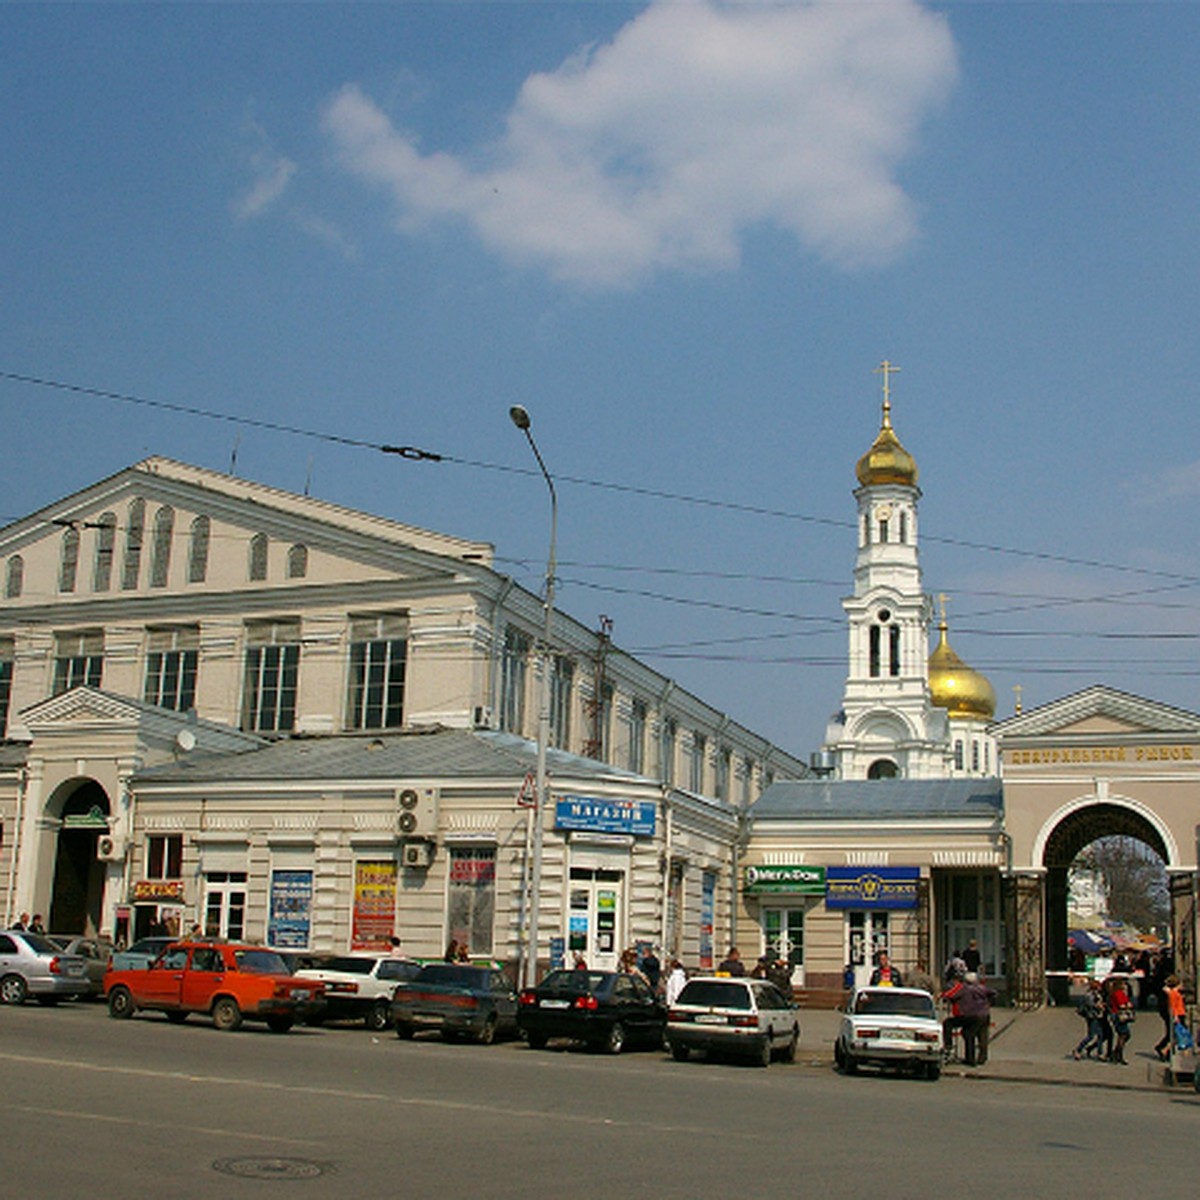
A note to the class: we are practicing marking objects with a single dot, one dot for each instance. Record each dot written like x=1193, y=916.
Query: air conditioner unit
x=483, y=717
x=418, y=854
x=110, y=848
x=418, y=815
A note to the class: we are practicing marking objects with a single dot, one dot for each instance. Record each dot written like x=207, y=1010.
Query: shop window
x=783, y=937
x=471, y=898
x=225, y=905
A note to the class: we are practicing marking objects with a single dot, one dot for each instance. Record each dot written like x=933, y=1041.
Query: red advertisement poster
x=374, y=919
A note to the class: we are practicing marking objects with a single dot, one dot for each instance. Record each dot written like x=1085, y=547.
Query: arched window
x=894, y=649
x=882, y=768
x=160, y=556
x=883, y=531
x=297, y=562
x=68, y=566
x=198, y=551
x=258, y=556
x=133, y=545
x=106, y=540
x=14, y=577
x=903, y=526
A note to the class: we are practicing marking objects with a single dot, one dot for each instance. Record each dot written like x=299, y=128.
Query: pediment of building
x=1098, y=712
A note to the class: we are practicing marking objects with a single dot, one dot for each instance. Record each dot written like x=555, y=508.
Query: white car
x=890, y=1027
x=749, y=1017
x=361, y=986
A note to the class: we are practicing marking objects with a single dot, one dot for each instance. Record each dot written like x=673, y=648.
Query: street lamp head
x=520, y=418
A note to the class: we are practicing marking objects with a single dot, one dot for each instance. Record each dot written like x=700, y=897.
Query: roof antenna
x=233, y=455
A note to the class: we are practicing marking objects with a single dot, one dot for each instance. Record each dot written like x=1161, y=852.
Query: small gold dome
x=955, y=687
x=887, y=461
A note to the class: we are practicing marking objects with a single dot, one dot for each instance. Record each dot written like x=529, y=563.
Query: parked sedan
x=360, y=986
x=141, y=954
x=606, y=1009
x=459, y=999
x=96, y=954
x=890, y=1027
x=32, y=965
x=747, y=1017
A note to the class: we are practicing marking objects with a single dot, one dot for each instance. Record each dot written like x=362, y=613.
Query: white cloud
x=271, y=174
x=1168, y=485
x=697, y=122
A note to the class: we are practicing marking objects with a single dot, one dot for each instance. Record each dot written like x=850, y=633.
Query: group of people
x=1108, y=1010
x=769, y=967
x=28, y=924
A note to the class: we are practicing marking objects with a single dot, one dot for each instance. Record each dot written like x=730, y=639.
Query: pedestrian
x=451, y=954
x=36, y=926
x=975, y=1011
x=885, y=975
x=394, y=945
x=1120, y=1014
x=22, y=923
x=732, y=963
x=651, y=967
x=580, y=962
x=1176, y=1011
x=464, y=953
x=1091, y=1009
x=971, y=956
x=921, y=978
x=676, y=978
x=780, y=974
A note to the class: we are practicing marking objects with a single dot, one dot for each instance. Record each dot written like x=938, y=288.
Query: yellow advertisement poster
x=374, y=921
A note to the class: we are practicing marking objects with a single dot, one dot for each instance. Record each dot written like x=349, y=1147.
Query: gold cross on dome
x=887, y=369
x=942, y=598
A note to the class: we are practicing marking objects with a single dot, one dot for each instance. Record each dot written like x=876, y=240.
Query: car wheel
x=277, y=1023
x=176, y=1016
x=680, y=1053
x=839, y=1056
x=13, y=989
x=789, y=1051
x=849, y=1063
x=933, y=1071
x=120, y=1003
x=226, y=1015
x=762, y=1056
x=537, y=1041
x=404, y=1031
x=614, y=1039
x=487, y=1035
x=379, y=1016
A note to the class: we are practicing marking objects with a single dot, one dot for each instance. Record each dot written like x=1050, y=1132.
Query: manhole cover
x=271, y=1168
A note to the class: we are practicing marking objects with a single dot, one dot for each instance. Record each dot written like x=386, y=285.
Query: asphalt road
x=95, y=1108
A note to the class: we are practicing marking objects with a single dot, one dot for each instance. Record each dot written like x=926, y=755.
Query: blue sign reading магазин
x=606, y=816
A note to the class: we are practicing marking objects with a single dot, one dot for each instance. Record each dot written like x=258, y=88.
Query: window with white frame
x=562, y=678
x=271, y=676
x=134, y=532
x=225, y=905
x=696, y=763
x=378, y=661
x=198, y=550
x=78, y=659
x=68, y=566
x=513, y=665
x=637, y=736
x=160, y=549
x=668, y=735
x=106, y=542
x=6, y=673
x=164, y=856
x=172, y=656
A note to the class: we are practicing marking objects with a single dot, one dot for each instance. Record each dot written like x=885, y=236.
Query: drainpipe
x=668, y=844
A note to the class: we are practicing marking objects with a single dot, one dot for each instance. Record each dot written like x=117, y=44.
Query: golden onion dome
x=887, y=461
x=955, y=687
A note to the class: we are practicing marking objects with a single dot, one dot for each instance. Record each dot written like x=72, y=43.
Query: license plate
x=556, y=1004
x=896, y=1035
x=300, y=993
x=709, y=1019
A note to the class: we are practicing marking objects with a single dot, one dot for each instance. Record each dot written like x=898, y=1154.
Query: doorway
x=596, y=916
x=866, y=935
x=77, y=896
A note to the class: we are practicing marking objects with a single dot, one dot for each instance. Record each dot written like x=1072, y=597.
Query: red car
x=228, y=981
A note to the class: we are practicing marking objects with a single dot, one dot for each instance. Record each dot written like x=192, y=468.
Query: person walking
x=676, y=978
x=972, y=1001
x=732, y=963
x=885, y=975
x=1176, y=1010
x=1120, y=1015
x=1091, y=1009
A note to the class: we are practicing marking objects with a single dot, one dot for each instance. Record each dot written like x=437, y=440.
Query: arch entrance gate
x=1092, y=765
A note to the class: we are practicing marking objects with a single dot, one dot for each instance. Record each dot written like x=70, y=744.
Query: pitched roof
x=867, y=799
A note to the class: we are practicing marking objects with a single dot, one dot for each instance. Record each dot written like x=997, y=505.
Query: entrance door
x=596, y=916
x=866, y=935
x=225, y=905
x=76, y=901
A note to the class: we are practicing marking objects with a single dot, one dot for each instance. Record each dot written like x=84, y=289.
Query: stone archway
x=1074, y=831
x=77, y=894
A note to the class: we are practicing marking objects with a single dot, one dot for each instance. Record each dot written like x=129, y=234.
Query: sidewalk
x=1029, y=1047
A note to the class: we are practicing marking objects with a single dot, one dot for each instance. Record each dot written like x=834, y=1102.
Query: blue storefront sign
x=291, y=909
x=871, y=887
x=593, y=815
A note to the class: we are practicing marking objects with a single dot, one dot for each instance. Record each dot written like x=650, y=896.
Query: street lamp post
x=520, y=418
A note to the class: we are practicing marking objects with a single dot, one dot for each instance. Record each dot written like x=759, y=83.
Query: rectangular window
x=272, y=672
x=894, y=648
x=378, y=660
x=667, y=737
x=724, y=759
x=561, y=679
x=783, y=935
x=471, y=901
x=873, y=666
x=78, y=660
x=6, y=674
x=171, y=659
x=637, y=736
x=696, y=763
x=225, y=905
x=513, y=662
x=604, y=723
x=164, y=856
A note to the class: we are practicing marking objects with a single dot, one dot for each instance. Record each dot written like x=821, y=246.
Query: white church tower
x=895, y=721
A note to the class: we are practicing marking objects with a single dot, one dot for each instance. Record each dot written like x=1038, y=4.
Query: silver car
x=96, y=951
x=32, y=965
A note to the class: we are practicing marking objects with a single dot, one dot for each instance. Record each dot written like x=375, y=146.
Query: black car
x=606, y=1009
x=459, y=999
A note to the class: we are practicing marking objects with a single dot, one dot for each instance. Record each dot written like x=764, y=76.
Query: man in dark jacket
x=972, y=1000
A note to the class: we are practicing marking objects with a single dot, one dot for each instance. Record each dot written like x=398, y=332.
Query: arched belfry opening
x=78, y=892
x=1075, y=833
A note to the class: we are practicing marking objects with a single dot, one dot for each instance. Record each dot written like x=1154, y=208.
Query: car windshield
x=260, y=962
x=896, y=1004
x=349, y=965
x=453, y=976
x=574, y=981
x=715, y=993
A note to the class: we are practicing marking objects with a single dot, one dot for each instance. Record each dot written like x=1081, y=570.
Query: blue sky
x=683, y=235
